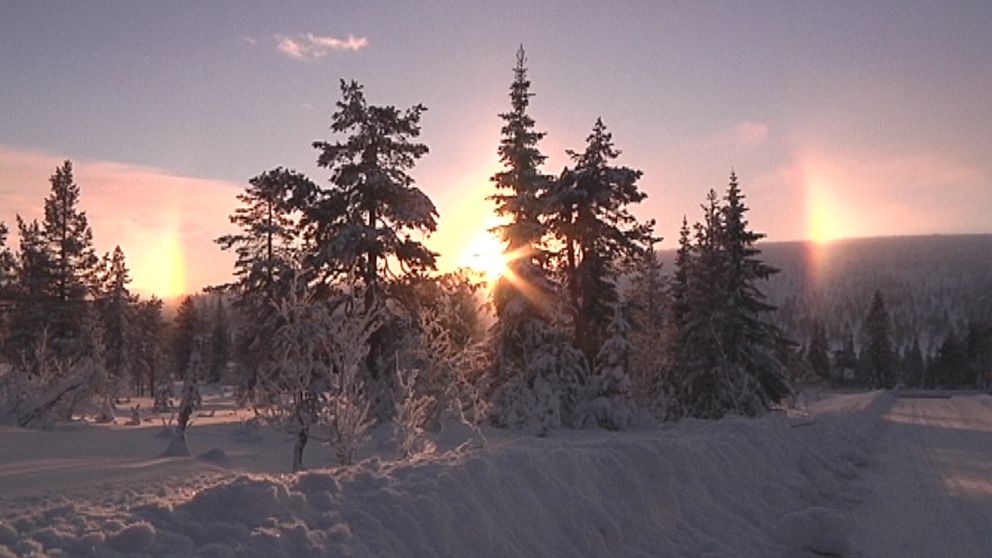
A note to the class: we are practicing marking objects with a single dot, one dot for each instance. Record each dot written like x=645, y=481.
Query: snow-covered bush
x=545, y=391
x=412, y=410
x=346, y=408
x=315, y=375
x=55, y=390
x=612, y=406
x=454, y=373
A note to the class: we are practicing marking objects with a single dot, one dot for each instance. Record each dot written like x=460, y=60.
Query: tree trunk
x=301, y=443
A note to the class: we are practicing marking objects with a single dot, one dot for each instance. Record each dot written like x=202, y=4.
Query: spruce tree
x=749, y=339
x=115, y=305
x=613, y=406
x=69, y=241
x=524, y=295
x=537, y=370
x=589, y=217
x=880, y=357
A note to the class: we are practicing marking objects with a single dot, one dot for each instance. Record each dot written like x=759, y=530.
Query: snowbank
x=775, y=486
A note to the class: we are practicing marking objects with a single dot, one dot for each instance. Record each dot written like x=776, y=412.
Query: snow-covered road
x=930, y=493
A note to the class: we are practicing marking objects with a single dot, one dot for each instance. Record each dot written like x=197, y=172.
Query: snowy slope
x=776, y=486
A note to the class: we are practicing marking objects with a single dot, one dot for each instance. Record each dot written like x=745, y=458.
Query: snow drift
x=775, y=486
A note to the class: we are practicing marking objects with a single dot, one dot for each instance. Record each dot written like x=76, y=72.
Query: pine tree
x=364, y=228
x=268, y=239
x=879, y=353
x=69, y=241
x=589, y=217
x=373, y=207
x=267, y=248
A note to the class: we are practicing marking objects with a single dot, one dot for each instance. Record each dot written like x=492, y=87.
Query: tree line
x=342, y=320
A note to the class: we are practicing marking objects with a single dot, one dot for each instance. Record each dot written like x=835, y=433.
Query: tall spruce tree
x=69, y=241
x=879, y=353
x=729, y=356
x=750, y=340
x=589, y=217
x=537, y=370
x=524, y=296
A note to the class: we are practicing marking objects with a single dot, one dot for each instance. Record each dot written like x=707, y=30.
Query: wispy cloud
x=311, y=47
x=143, y=209
x=249, y=39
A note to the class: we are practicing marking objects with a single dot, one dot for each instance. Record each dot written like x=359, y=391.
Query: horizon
x=842, y=120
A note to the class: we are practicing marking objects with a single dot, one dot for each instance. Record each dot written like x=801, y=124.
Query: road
x=930, y=491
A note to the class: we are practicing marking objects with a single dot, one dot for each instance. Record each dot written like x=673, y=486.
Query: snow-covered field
x=858, y=475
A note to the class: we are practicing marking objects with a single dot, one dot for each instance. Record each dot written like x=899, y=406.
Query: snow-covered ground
x=932, y=490
x=859, y=475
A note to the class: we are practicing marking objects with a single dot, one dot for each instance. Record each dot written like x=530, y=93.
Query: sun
x=485, y=255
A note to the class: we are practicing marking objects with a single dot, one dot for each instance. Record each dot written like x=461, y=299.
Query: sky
x=841, y=119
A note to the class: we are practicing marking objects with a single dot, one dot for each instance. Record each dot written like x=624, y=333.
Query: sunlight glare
x=161, y=271
x=485, y=255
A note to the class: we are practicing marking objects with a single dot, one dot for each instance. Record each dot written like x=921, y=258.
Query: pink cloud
x=308, y=46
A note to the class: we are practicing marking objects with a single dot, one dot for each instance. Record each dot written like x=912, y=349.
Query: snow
x=931, y=494
x=781, y=485
x=857, y=475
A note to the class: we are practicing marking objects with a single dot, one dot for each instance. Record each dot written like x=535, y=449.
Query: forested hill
x=932, y=285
